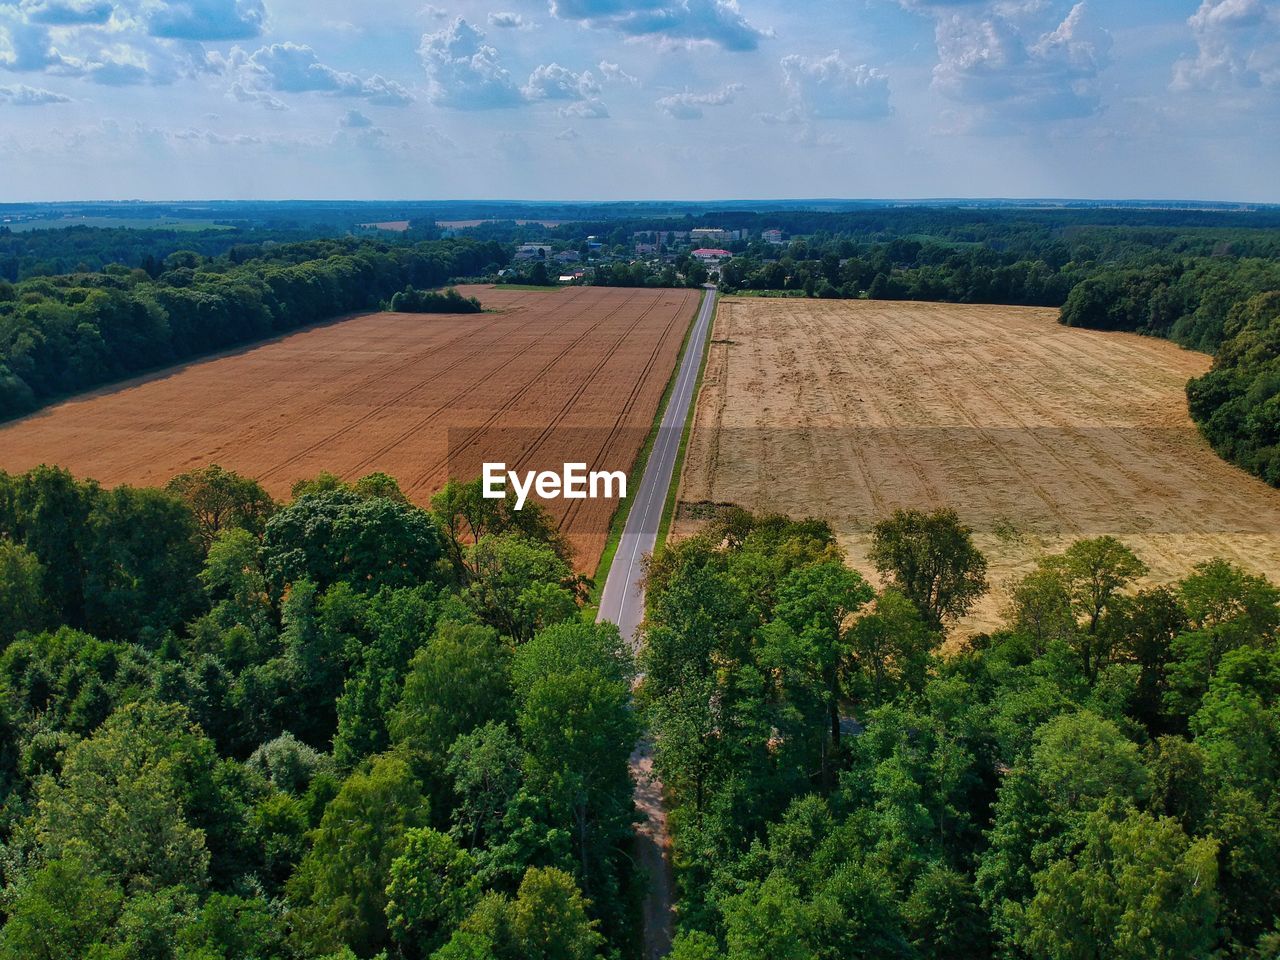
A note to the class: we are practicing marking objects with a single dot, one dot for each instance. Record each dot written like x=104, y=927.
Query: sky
x=639, y=99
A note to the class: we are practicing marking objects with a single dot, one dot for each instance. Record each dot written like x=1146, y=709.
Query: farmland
x=1037, y=434
x=543, y=378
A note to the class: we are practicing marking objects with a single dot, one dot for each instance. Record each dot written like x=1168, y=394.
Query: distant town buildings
x=713, y=235
x=772, y=236
x=533, y=251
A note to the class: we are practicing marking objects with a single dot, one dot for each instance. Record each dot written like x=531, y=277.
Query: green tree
x=341, y=536
x=433, y=887
x=62, y=911
x=22, y=602
x=817, y=602
x=1090, y=575
x=141, y=560
x=221, y=499
x=47, y=511
x=229, y=927
x=466, y=516
x=518, y=586
x=891, y=646
x=578, y=729
x=931, y=559
x=460, y=680
x=339, y=890
x=136, y=800
x=234, y=581
x=549, y=919
x=1139, y=888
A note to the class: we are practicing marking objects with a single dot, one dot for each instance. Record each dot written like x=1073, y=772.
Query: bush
x=410, y=300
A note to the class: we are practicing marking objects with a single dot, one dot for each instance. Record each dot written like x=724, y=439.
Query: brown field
x=1037, y=434
x=572, y=375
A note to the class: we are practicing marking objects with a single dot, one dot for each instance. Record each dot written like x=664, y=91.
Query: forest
x=338, y=727
x=67, y=333
x=346, y=727
x=1094, y=780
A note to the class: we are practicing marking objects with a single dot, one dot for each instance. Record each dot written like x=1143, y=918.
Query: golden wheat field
x=1037, y=434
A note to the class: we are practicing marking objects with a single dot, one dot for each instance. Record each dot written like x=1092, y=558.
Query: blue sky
x=585, y=99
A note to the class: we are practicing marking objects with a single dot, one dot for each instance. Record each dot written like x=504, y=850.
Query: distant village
x=571, y=262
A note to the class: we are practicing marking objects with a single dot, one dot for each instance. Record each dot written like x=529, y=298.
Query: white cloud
x=1237, y=46
x=590, y=109
x=295, y=68
x=464, y=71
x=615, y=74
x=718, y=22
x=71, y=12
x=243, y=94
x=689, y=105
x=1002, y=62
x=20, y=95
x=553, y=82
x=832, y=88
x=505, y=20
x=82, y=38
x=354, y=120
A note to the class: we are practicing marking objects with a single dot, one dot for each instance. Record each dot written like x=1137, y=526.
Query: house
x=533, y=251
x=646, y=248
x=711, y=255
x=568, y=256
x=704, y=234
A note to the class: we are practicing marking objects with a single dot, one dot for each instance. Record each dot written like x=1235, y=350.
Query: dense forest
x=239, y=729
x=1096, y=780
x=85, y=249
x=62, y=334
x=347, y=727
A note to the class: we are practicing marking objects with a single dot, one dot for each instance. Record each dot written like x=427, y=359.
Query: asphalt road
x=622, y=600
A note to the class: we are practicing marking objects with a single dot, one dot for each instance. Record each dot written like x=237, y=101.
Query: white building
x=711, y=256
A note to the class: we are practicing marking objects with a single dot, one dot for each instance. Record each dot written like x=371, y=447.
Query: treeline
x=906, y=270
x=1187, y=301
x=1095, y=779
x=63, y=334
x=410, y=300
x=85, y=249
x=1222, y=306
x=339, y=727
x=1105, y=230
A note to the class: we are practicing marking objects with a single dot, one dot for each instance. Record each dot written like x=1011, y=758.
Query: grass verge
x=642, y=459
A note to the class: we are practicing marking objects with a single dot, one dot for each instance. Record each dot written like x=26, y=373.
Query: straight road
x=622, y=602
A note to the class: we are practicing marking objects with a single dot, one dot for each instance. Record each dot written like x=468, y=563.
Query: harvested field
x=566, y=375
x=1037, y=434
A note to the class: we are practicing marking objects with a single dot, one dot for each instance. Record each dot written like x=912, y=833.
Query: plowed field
x=1037, y=434
x=549, y=377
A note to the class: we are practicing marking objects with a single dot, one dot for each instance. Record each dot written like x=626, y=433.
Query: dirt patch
x=1037, y=434
x=573, y=375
